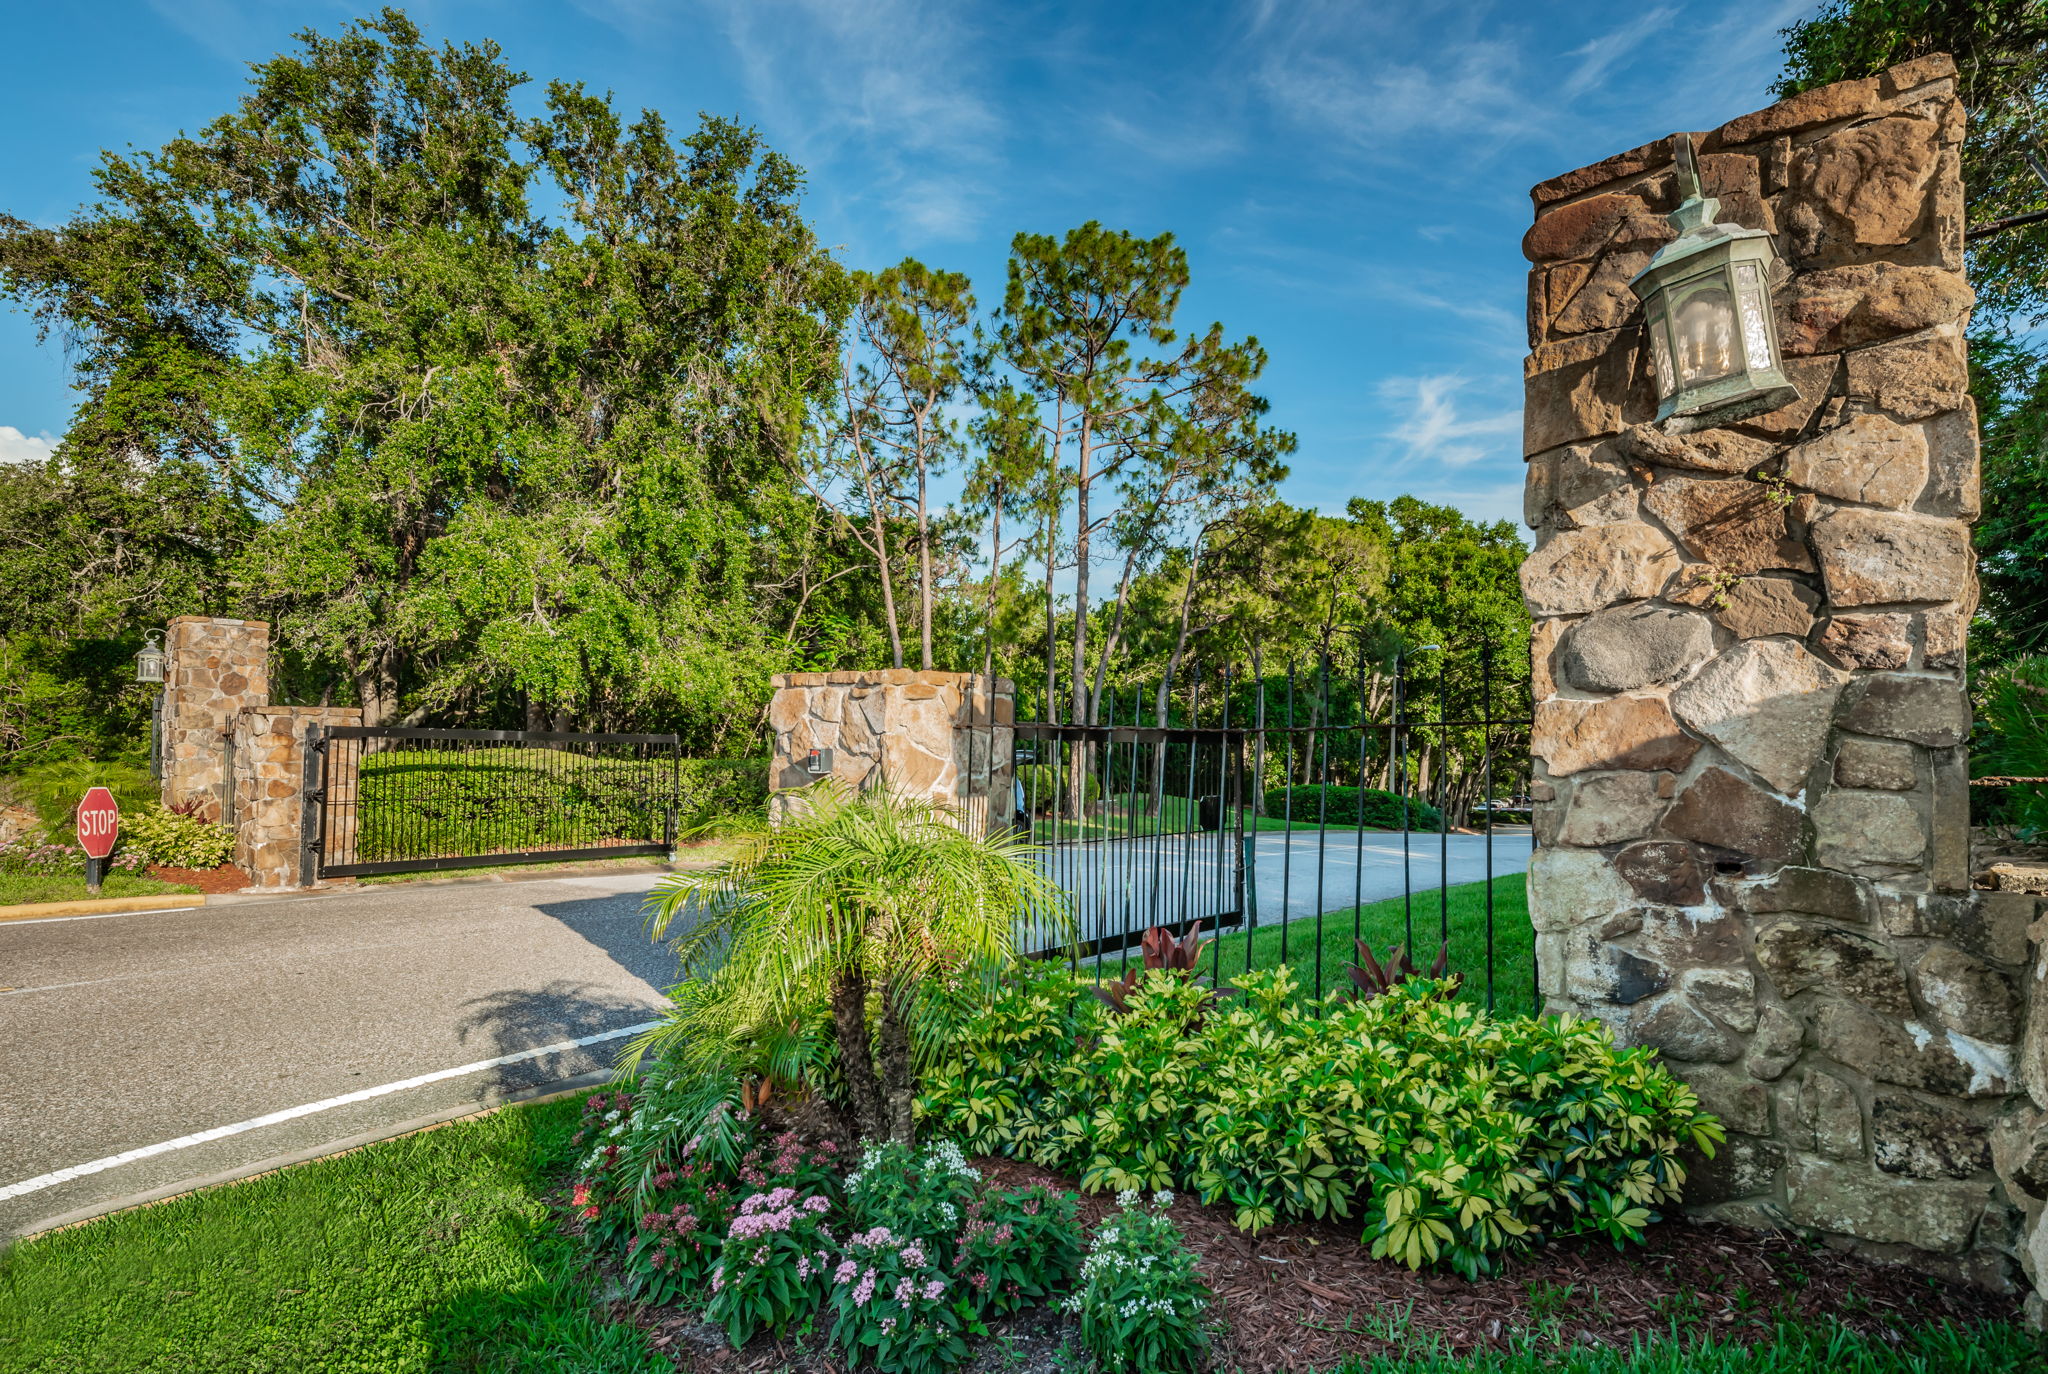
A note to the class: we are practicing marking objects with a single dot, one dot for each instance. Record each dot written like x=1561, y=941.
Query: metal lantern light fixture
x=149, y=664
x=1707, y=305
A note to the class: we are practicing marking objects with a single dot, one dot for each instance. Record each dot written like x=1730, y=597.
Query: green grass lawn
x=22, y=888
x=1385, y=924
x=433, y=1252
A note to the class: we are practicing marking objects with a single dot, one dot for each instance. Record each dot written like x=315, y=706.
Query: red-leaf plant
x=1159, y=948
x=1371, y=977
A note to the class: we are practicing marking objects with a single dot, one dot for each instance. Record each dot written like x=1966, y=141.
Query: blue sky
x=1350, y=180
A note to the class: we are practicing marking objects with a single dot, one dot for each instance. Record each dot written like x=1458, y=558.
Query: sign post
x=99, y=822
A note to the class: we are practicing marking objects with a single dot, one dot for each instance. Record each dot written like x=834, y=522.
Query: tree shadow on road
x=514, y=1020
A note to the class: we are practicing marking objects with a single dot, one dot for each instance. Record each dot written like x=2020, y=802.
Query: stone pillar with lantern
x=1752, y=469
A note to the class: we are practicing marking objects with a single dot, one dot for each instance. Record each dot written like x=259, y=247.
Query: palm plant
x=857, y=898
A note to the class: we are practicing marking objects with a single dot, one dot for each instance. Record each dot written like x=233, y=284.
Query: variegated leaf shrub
x=1452, y=1136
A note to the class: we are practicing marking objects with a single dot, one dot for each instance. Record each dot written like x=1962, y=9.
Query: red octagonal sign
x=99, y=821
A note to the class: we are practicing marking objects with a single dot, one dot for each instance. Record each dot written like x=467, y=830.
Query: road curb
x=102, y=906
x=544, y=1092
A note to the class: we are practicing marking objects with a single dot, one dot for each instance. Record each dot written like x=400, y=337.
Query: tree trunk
x=899, y=1087
x=377, y=685
x=924, y=557
x=856, y=1057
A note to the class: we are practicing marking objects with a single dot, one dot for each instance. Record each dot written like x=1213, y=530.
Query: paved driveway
x=132, y=1031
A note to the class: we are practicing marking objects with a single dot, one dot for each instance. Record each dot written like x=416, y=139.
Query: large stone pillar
x=270, y=810
x=943, y=737
x=1752, y=811
x=214, y=670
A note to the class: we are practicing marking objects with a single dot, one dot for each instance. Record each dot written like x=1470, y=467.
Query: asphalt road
x=130, y=1031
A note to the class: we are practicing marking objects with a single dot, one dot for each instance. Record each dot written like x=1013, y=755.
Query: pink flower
x=933, y=1289
x=816, y=1204
x=913, y=1255
x=845, y=1272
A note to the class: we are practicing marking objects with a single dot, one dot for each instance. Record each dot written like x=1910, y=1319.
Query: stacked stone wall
x=270, y=770
x=942, y=737
x=214, y=670
x=1749, y=642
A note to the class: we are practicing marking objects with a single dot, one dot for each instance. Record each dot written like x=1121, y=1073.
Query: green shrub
x=1142, y=1300
x=1454, y=1137
x=2012, y=740
x=773, y=1264
x=893, y=1309
x=1017, y=1247
x=1362, y=806
x=1048, y=788
x=176, y=841
x=54, y=787
x=917, y=1194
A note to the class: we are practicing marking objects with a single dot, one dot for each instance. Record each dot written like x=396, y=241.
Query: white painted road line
x=51, y=1180
x=97, y=916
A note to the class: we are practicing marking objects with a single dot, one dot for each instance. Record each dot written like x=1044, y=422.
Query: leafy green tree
x=488, y=449
x=1163, y=422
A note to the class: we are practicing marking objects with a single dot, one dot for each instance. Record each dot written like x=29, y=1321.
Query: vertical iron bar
x=1287, y=825
x=1322, y=811
x=1401, y=790
x=1486, y=788
x=1358, y=851
x=1443, y=792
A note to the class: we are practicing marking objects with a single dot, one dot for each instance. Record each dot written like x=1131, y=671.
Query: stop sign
x=99, y=821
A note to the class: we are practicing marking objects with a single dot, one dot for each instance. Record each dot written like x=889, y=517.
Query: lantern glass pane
x=1756, y=334
x=1660, y=352
x=1705, y=336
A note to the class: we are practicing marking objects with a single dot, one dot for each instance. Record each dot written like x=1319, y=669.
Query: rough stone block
x=1910, y=1055
x=1662, y=871
x=1968, y=995
x=1724, y=451
x=1678, y=1030
x=1801, y=955
x=1883, y=765
x=1924, y=710
x=1870, y=459
x=1881, y=641
x=1954, y=486
x=1872, y=557
x=1779, y=1040
x=1767, y=702
x=1610, y=808
x=1743, y=1167
x=1861, y=187
x=1634, y=162
x=1869, y=832
x=1817, y=380
x=1852, y=1199
x=1720, y=809
x=1578, y=486
x=1912, y=378
x=1726, y=994
x=1944, y=637
x=1579, y=571
x=1829, y=1116
x=1755, y=606
x=1571, y=886
x=1635, y=732
x=1733, y=524
x=1806, y=110
x=1626, y=647
x=1926, y=1139
x=1848, y=307
x=1807, y=891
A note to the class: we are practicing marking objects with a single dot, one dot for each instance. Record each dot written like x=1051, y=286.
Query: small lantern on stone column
x=149, y=664
x=1707, y=306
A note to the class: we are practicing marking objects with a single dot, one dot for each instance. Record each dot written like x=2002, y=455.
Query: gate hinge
x=315, y=794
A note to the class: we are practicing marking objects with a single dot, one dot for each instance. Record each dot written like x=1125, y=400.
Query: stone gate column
x=214, y=669
x=943, y=737
x=1749, y=640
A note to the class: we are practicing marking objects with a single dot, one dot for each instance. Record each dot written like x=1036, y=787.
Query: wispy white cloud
x=1598, y=56
x=893, y=87
x=16, y=447
x=1434, y=429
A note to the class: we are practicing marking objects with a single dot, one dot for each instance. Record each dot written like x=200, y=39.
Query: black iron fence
x=1295, y=810
x=388, y=800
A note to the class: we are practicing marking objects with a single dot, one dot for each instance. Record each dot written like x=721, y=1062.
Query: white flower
x=1163, y=1198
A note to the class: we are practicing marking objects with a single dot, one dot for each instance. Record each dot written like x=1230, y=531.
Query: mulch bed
x=1303, y=1297
x=226, y=878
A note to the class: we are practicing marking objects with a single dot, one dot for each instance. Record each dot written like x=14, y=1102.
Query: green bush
x=176, y=841
x=1454, y=1137
x=2012, y=740
x=54, y=787
x=1046, y=786
x=1362, y=806
x=1142, y=1300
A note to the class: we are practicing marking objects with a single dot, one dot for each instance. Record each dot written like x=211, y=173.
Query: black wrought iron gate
x=1139, y=826
x=392, y=800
